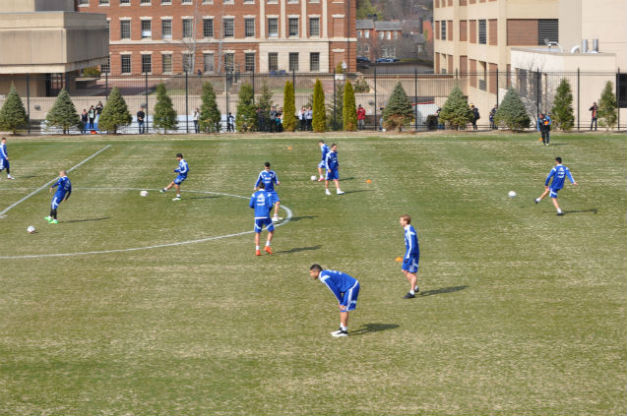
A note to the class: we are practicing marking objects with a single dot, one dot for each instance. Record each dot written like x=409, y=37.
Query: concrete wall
x=12, y=6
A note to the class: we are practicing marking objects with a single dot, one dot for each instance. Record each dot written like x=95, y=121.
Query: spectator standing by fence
x=475, y=116
x=195, y=118
x=229, y=123
x=84, y=121
x=544, y=127
x=141, y=116
x=361, y=117
x=309, y=118
x=99, y=108
x=492, y=114
x=92, y=116
x=594, y=111
x=302, y=118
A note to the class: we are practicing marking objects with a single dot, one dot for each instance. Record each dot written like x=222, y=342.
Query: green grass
x=525, y=313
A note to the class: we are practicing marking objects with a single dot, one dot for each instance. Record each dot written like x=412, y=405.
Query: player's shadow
x=442, y=290
x=298, y=250
x=373, y=327
x=582, y=211
x=303, y=217
x=350, y=178
x=357, y=190
x=86, y=220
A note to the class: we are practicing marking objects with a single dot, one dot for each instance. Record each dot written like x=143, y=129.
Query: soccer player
x=332, y=166
x=269, y=178
x=64, y=190
x=322, y=165
x=412, y=256
x=182, y=171
x=558, y=173
x=344, y=287
x=4, y=158
x=261, y=202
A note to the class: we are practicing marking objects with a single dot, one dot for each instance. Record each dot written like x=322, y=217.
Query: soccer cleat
x=537, y=201
x=340, y=192
x=275, y=218
x=416, y=289
x=54, y=222
x=178, y=198
x=268, y=249
x=560, y=213
x=327, y=192
x=320, y=179
x=10, y=177
x=162, y=190
x=339, y=333
x=257, y=252
x=409, y=296
x=48, y=218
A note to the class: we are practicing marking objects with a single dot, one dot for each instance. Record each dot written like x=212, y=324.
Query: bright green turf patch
x=525, y=312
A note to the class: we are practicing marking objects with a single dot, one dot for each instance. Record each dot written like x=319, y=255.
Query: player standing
x=269, y=178
x=182, y=171
x=412, y=256
x=322, y=165
x=261, y=202
x=4, y=158
x=332, y=166
x=64, y=190
x=558, y=173
x=346, y=290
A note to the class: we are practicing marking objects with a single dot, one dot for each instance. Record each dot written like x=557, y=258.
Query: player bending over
x=332, y=165
x=4, y=158
x=346, y=290
x=64, y=190
x=412, y=256
x=322, y=165
x=261, y=202
x=269, y=178
x=182, y=171
x=558, y=173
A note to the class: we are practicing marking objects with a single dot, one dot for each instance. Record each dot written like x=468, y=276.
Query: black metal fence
x=426, y=92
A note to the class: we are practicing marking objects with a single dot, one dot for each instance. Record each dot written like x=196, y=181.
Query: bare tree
x=191, y=44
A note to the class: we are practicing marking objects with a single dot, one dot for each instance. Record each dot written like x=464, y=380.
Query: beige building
x=45, y=42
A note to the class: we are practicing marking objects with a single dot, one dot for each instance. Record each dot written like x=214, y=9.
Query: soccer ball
x=30, y=229
x=511, y=194
x=313, y=177
x=143, y=193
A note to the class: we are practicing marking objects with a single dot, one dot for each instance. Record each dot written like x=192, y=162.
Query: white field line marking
x=41, y=188
x=287, y=219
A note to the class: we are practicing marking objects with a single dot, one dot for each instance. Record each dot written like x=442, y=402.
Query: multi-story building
x=378, y=39
x=213, y=36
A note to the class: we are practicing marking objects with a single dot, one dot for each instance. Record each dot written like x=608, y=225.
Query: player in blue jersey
x=182, y=171
x=269, y=178
x=63, y=192
x=559, y=173
x=412, y=256
x=261, y=202
x=332, y=166
x=346, y=290
x=4, y=158
x=323, y=162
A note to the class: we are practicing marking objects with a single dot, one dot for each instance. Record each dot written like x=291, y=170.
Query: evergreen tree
x=63, y=113
x=512, y=113
x=289, y=107
x=456, y=111
x=349, y=111
x=562, y=111
x=246, y=118
x=365, y=10
x=608, y=106
x=319, y=121
x=115, y=113
x=210, y=117
x=335, y=112
x=399, y=111
x=165, y=116
x=12, y=114
x=264, y=105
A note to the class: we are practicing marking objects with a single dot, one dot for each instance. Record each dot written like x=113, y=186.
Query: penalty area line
x=44, y=186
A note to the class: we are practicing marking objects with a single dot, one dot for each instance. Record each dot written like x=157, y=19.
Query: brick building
x=213, y=36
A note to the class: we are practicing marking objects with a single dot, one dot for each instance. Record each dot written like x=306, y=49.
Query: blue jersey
x=269, y=178
x=182, y=169
x=558, y=173
x=331, y=160
x=3, y=151
x=325, y=150
x=64, y=187
x=261, y=202
x=338, y=282
x=412, y=249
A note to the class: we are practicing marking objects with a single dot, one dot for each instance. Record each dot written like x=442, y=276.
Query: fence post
x=617, y=94
x=294, y=79
x=146, y=100
x=186, y=103
x=106, y=86
x=578, y=99
x=334, y=103
x=226, y=97
x=415, y=99
x=28, y=100
x=497, y=86
x=375, y=98
x=253, y=84
x=537, y=91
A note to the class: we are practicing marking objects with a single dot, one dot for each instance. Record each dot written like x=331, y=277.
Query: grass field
x=522, y=312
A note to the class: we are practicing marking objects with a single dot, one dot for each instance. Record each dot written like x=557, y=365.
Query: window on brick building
x=273, y=27
x=443, y=32
x=83, y=2
x=249, y=62
x=249, y=27
x=125, y=29
x=293, y=61
x=273, y=61
x=126, y=64
x=166, y=2
x=106, y=68
x=188, y=62
x=143, y=2
x=207, y=28
x=314, y=26
x=314, y=61
x=125, y=2
x=103, y=2
x=207, y=62
x=293, y=26
x=166, y=63
x=166, y=29
x=229, y=62
x=146, y=29
x=188, y=28
x=483, y=36
x=146, y=64
x=228, y=27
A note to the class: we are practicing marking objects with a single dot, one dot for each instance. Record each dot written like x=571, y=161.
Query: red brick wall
x=522, y=32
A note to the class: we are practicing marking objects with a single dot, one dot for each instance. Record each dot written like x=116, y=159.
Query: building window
x=314, y=26
x=207, y=62
x=483, y=38
x=293, y=61
x=166, y=2
x=166, y=29
x=126, y=64
x=106, y=68
x=249, y=27
x=483, y=72
x=188, y=62
x=143, y=2
x=103, y=2
x=273, y=61
x=367, y=34
x=146, y=63
x=146, y=29
x=186, y=1
x=229, y=62
x=207, y=28
x=228, y=27
x=188, y=28
x=83, y=2
x=314, y=61
x=443, y=33
x=125, y=29
x=293, y=26
x=125, y=2
x=273, y=27
x=548, y=30
x=166, y=63
x=249, y=62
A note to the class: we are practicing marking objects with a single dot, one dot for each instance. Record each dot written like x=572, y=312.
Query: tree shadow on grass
x=303, y=217
x=85, y=220
x=442, y=290
x=582, y=211
x=298, y=250
x=373, y=327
